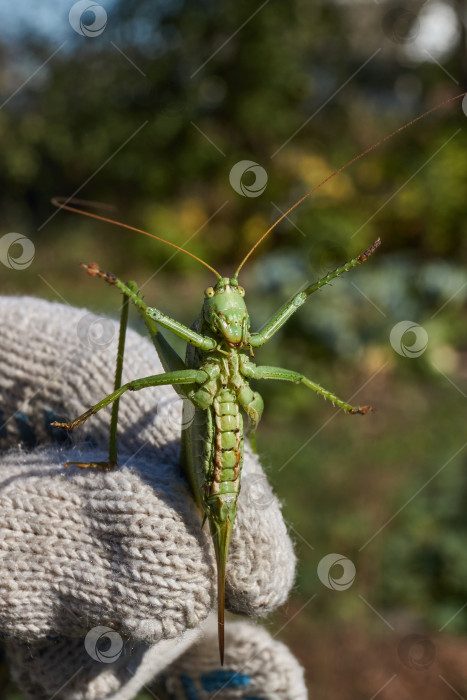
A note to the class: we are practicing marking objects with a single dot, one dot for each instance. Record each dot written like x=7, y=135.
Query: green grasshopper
x=215, y=379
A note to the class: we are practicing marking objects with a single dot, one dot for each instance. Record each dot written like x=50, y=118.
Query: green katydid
x=214, y=379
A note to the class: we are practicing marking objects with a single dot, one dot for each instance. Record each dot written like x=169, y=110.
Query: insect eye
x=209, y=292
x=241, y=291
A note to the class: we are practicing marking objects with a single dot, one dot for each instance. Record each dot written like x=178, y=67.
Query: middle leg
x=187, y=376
x=265, y=372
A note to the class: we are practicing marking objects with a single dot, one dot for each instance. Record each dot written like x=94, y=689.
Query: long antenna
x=62, y=203
x=339, y=170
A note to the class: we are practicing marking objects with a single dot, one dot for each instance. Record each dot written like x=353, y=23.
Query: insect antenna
x=339, y=170
x=63, y=203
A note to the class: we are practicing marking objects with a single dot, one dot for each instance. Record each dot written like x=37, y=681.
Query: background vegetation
x=150, y=116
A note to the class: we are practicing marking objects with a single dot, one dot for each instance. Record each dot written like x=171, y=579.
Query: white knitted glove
x=256, y=668
x=113, y=556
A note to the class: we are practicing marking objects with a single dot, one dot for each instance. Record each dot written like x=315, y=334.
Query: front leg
x=200, y=341
x=291, y=307
x=263, y=372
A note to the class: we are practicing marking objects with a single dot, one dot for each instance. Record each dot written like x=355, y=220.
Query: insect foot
x=364, y=256
x=74, y=423
x=94, y=270
x=361, y=410
x=63, y=426
x=103, y=466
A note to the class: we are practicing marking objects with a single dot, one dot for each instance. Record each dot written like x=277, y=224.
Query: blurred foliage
x=150, y=117
x=429, y=547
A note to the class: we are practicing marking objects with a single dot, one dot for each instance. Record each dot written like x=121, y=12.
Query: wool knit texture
x=121, y=549
x=63, y=668
x=256, y=666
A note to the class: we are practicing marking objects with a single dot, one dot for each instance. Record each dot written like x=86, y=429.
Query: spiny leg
x=170, y=360
x=363, y=257
x=190, y=336
x=264, y=372
x=291, y=307
x=118, y=376
x=188, y=376
x=113, y=449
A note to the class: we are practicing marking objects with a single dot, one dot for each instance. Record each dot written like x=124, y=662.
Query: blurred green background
x=150, y=115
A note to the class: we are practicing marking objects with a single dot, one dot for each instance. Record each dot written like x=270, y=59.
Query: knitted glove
x=256, y=668
x=107, y=577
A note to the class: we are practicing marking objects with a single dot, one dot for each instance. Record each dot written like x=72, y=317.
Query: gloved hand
x=106, y=577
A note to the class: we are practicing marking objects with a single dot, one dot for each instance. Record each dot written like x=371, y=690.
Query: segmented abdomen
x=227, y=450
